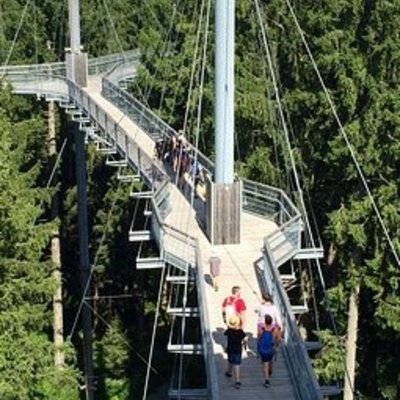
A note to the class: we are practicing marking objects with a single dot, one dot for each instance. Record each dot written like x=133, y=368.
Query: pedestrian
x=267, y=307
x=234, y=304
x=215, y=268
x=235, y=338
x=266, y=347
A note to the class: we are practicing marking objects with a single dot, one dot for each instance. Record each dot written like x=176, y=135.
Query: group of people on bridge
x=269, y=334
x=180, y=155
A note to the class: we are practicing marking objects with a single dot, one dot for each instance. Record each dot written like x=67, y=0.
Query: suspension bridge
x=270, y=230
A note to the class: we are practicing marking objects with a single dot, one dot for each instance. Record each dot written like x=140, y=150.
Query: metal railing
x=299, y=364
x=151, y=123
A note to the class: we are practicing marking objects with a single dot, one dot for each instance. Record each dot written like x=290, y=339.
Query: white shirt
x=269, y=309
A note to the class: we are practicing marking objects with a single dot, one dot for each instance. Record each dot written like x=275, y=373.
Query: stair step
x=331, y=390
x=313, y=345
x=179, y=279
x=107, y=150
x=142, y=195
x=187, y=311
x=309, y=254
x=185, y=348
x=188, y=394
x=128, y=178
x=117, y=163
x=139, y=236
x=149, y=263
x=287, y=277
x=299, y=309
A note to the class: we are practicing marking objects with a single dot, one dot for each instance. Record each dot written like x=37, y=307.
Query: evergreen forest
x=356, y=46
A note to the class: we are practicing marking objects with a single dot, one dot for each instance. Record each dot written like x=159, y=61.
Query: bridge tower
x=76, y=63
x=224, y=194
x=75, y=59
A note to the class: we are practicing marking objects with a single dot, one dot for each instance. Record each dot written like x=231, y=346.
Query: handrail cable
x=153, y=335
x=105, y=322
x=344, y=134
x=21, y=20
x=285, y=130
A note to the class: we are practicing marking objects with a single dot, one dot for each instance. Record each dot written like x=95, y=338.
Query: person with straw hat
x=235, y=338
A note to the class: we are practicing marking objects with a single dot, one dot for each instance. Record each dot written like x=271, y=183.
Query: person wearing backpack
x=234, y=305
x=266, y=347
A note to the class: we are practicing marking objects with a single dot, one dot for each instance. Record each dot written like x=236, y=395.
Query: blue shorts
x=266, y=357
x=235, y=358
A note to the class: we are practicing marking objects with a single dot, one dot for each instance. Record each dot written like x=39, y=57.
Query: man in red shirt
x=234, y=304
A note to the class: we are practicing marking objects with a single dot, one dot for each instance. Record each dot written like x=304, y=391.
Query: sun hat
x=233, y=322
x=214, y=253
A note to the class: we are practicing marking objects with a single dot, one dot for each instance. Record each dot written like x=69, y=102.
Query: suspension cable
x=21, y=20
x=86, y=289
x=280, y=108
x=153, y=335
x=344, y=134
x=200, y=101
x=95, y=312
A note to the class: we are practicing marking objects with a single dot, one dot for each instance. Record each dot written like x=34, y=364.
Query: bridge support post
x=77, y=66
x=224, y=209
x=84, y=262
x=224, y=196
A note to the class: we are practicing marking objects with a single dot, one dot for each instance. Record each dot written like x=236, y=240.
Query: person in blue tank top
x=266, y=346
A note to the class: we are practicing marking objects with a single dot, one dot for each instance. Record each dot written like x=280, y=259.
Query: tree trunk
x=58, y=322
x=352, y=333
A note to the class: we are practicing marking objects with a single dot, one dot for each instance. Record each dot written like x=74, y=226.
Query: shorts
x=266, y=357
x=234, y=358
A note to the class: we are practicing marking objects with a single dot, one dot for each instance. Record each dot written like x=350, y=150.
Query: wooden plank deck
x=238, y=268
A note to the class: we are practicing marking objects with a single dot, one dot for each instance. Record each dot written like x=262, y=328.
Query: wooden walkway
x=238, y=268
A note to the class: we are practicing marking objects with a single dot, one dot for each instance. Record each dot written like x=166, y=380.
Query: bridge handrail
x=299, y=364
x=96, y=65
x=186, y=239
x=145, y=117
x=275, y=202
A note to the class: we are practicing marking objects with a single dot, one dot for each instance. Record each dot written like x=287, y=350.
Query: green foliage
x=329, y=362
x=26, y=284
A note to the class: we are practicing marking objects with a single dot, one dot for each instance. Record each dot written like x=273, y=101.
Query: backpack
x=229, y=309
x=265, y=345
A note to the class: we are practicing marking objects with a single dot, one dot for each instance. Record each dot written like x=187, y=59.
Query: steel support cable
x=153, y=335
x=21, y=20
x=271, y=113
x=53, y=172
x=165, y=45
x=192, y=73
x=200, y=101
x=168, y=41
x=105, y=322
x=117, y=38
x=284, y=126
x=281, y=113
x=175, y=95
x=86, y=289
x=344, y=134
